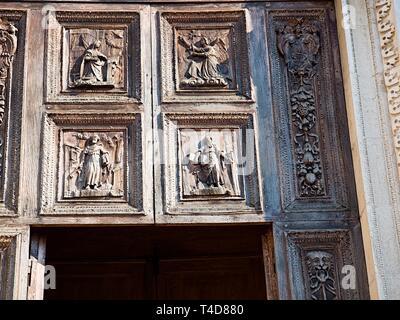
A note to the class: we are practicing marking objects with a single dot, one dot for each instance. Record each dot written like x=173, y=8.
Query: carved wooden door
x=208, y=113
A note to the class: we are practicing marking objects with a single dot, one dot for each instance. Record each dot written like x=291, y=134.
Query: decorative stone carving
x=316, y=259
x=93, y=164
x=299, y=44
x=321, y=272
x=210, y=164
x=91, y=167
x=204, y=57
x=204, y=64
x=391, y=62
x=97, y=58
x=100, y=57
x=209, y=171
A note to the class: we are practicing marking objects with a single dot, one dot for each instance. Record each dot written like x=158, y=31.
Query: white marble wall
x=373, y=145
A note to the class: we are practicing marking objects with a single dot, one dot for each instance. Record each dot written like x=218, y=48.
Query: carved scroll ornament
x=299, y=44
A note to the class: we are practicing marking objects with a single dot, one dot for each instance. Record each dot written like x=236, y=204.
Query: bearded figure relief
x=321, y=274
x=206, y=61
x=93, y=165
x=210, y=171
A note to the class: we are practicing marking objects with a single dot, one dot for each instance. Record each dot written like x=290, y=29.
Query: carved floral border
x=391, y=62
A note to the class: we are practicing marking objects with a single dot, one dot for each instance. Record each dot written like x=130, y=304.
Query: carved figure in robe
x=94, y=160
x=212, y=170
x=92, y=64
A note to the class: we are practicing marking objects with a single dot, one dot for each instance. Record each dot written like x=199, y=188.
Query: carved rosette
x=8, y=47
x=299, y=44
x=321, y=275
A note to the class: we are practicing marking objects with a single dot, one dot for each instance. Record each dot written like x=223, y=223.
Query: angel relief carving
x=93, y=164
x=208, y=169
x=204, y=62
x=97, y=58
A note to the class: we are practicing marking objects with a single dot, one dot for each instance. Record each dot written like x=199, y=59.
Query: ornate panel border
x=391, y=61
x=312, y=170
x=51, y=184
x=316, y=261
x=13, y=257
x=12, y=27
x=171, y=174
x=170, y=22
x=56, y=54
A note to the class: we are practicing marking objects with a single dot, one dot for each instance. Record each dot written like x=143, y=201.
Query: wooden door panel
x=100, y=280
x=211, y=278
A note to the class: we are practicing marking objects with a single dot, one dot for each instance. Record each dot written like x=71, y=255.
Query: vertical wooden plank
x=31, y=114
x=269, y=266
x=37, y=267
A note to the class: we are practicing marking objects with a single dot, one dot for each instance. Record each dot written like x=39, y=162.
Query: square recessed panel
x=92, y=164
x=93, y=58
x=210, y=164
x=204, y=57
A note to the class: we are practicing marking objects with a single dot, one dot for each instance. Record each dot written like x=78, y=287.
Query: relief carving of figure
x=205, y=58
x=94, y=161
x=92, y=64
x=213, y=170
x=96, y=59
x=93, y=168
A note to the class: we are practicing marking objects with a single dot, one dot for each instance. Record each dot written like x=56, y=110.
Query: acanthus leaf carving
x=299, y=44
